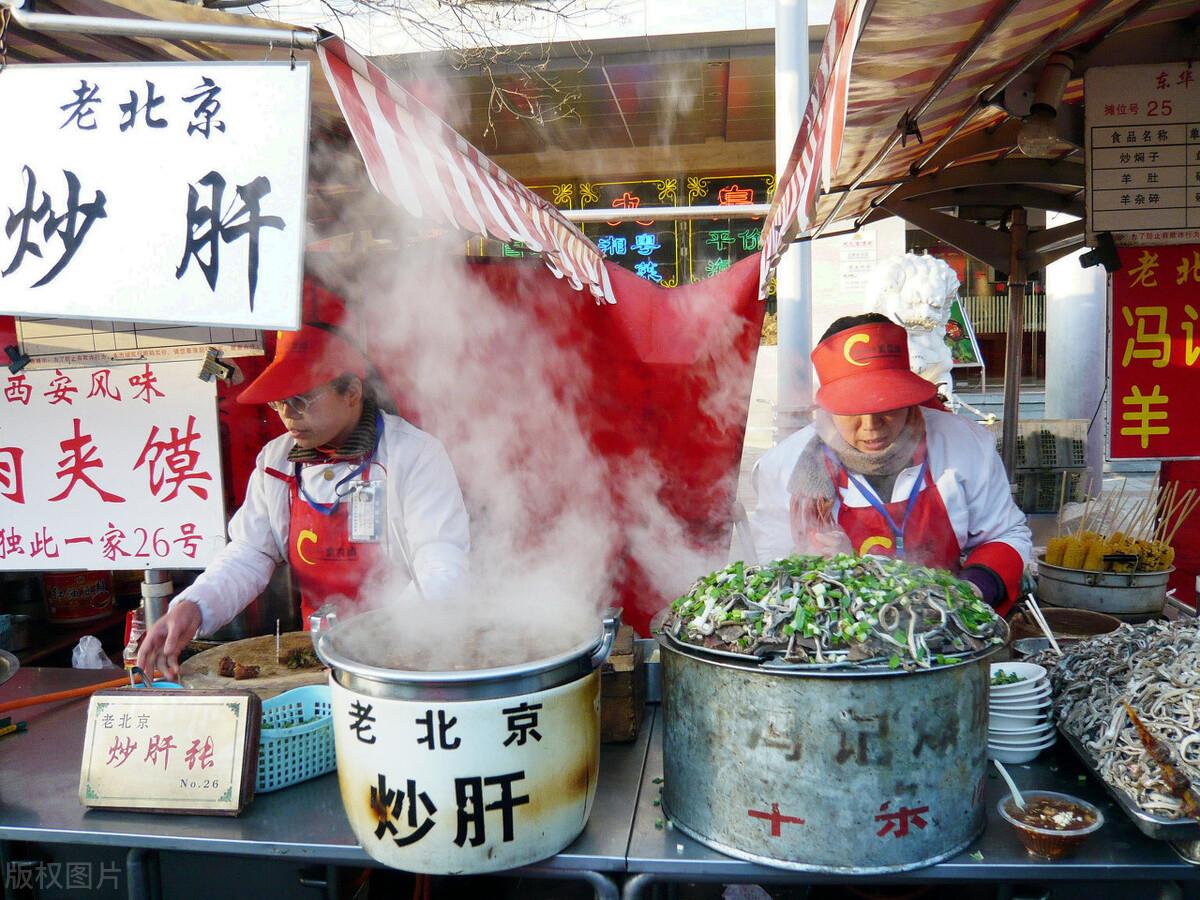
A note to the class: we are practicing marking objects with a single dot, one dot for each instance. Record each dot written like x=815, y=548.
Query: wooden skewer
x=1117, y=503
x=1187, y=511
x=1062, y=496
x=1169, y=508
x=1166, y=507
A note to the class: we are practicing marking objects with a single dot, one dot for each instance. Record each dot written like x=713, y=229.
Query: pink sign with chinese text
x=109, y=468
x=1154, y=356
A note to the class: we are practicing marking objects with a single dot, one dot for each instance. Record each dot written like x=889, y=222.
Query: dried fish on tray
x=1155, y=668
x=844, y=610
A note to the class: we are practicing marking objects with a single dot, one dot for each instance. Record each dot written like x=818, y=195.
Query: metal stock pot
x=465, y=771
x=840, y=770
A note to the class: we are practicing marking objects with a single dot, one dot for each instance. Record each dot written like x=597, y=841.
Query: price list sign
x=1143, y=153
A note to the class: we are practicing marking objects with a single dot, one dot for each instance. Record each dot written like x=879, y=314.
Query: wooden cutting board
x=202, y=671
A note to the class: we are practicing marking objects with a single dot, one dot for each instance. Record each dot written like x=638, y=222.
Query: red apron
x=325, y=563
x=916, y=529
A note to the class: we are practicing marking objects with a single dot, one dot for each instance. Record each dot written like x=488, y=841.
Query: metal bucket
x=1115, y=593
x=467, y=771
x=842, y=771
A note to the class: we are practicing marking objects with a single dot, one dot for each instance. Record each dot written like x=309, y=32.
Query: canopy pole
x=1017, y=277
x=669, y=213
x=302, y=39
x=793, y=277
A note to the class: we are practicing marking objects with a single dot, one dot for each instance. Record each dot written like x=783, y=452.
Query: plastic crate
x=1038, y=492
x=1050, y=444
x=289, y=753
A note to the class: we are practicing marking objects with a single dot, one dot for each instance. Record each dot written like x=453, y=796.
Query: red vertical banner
x=1155, y=353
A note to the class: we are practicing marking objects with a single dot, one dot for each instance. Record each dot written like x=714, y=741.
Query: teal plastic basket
x=289, y=753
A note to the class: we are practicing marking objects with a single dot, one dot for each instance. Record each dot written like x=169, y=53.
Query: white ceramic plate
x=1033, y=735
x=1013, y=756
x=1027, y=671
x=1002, y=722
x=1033, y=701
x=1015, y=741
x=1019, y=690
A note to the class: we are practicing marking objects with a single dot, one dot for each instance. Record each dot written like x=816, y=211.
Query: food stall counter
x=662, y=853
x=305, y=822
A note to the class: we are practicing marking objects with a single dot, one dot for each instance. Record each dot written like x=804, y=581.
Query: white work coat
x=965, y=467
x=423, y=502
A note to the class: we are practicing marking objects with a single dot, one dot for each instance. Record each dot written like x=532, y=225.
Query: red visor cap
x=866, y=370
x=310, y=357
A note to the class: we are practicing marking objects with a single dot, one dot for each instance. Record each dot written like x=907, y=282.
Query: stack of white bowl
x=1019, y=726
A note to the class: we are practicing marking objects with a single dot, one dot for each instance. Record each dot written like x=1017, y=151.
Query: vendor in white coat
x=879, y=472
x=348, y=489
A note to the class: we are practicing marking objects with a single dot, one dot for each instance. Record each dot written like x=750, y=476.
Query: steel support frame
x=301, y=39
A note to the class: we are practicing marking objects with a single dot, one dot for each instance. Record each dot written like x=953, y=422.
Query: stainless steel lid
x=466, y=684
x=845, y=669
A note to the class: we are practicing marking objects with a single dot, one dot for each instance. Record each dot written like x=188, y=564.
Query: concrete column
x=794, y=275
x=1076, y=323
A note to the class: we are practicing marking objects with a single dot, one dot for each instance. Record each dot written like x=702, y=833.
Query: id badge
x=366, y=512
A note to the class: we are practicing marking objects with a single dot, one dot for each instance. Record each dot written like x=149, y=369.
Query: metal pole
x=649, y=213
x=793, y=278
x=301, y=39
x=1017, y=275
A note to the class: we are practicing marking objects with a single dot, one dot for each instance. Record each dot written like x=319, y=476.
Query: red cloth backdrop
x=1187, y=541
x=647, y=383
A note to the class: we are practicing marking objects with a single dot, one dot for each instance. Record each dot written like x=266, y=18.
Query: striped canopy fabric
x=818, y=143
x=425, y=167
x=895, y=54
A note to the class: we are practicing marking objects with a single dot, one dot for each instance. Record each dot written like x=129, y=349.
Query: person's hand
x=170, y=634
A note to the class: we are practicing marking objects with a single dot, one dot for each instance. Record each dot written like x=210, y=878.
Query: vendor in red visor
x=347, y=490
x=883, y=470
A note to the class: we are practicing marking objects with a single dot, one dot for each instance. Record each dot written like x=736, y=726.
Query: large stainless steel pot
x=1115, y=593
x=835, y=770
x=465, y=771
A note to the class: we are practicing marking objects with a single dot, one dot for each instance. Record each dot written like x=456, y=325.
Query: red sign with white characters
x=1154, y=355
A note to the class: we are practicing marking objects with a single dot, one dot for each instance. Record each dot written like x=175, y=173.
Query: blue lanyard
x=881, y=508
x=327, y=509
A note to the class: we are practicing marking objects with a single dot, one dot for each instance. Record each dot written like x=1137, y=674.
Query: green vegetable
x=1002, y=677
x=977, y=856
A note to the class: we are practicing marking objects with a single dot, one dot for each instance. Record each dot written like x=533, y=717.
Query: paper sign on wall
x=109, y=468
x=155, y=192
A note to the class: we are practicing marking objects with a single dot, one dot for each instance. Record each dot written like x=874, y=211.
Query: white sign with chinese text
x=112, y=468
x=1142, y=139
x=156, y=192
x=170, y=750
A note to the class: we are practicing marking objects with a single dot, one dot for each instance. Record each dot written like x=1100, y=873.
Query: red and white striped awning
x=894, y=56
x=424, y=166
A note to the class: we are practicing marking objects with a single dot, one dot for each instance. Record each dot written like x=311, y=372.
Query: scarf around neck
x=357, y=446
x=811, y=478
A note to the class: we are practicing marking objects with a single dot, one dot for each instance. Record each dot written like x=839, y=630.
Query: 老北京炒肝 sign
x=169, y=192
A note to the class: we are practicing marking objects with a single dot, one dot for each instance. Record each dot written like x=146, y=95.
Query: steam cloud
x=497, y=381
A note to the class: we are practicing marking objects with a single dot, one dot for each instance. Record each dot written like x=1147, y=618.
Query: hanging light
x=1038, y=136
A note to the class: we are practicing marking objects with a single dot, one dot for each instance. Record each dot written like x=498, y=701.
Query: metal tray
x=1156, y=827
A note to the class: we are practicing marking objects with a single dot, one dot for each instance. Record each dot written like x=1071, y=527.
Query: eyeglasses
x=299, y=404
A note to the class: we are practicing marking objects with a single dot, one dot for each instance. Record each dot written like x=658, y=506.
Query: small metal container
x=836, y=770
x=20, y=632
x=1115, y=593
